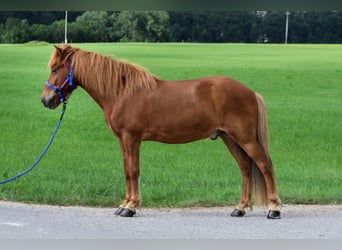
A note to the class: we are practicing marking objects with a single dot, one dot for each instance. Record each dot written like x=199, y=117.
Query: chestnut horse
x=139, y=106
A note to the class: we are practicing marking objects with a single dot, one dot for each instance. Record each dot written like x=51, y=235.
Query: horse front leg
x=130, y=149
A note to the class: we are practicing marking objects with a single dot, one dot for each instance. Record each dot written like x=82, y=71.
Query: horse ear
x=58, y=49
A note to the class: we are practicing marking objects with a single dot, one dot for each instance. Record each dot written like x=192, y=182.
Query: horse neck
x=84, y=77
x=107, y=79
x=92, y=92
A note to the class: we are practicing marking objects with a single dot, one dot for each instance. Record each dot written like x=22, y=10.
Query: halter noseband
x=69, y=79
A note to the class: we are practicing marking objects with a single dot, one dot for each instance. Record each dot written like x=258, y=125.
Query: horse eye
x=54, y=70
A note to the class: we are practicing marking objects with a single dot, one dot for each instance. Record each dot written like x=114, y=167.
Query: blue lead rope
x=44, y=151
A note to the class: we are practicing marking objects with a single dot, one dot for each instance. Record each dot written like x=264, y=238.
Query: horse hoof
x=237, y=213
x=273, y=214
x=119, y=211
x=127, y=212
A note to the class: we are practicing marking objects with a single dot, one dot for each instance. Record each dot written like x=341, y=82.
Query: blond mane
x=107, y=76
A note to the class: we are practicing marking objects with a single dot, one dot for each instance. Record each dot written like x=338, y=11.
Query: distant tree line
x=172, y=26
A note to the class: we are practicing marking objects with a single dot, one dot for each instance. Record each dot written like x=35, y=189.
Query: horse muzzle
x=49, y=102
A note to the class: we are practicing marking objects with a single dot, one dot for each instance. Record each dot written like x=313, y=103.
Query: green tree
x=141, y=26
x=55, y=32
x=299, y=29
x=218, y=26
x=332, y=27
x=158, y=26
x=155, y=26
x=15, y=31
x=91, y=26
x=112, y=27
x=39, y=32
x=273, y=26
x=124, y=24
x=181, y=26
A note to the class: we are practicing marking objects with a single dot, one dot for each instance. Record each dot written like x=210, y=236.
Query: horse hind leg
x=244, y=163
x=266, y=183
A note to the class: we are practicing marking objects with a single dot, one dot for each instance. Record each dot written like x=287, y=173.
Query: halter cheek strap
x=70, y=80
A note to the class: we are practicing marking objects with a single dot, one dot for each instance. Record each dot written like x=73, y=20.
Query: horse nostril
x=49, y=102
x=45, y=102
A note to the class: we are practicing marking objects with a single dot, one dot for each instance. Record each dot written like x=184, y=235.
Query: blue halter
x=58, y=90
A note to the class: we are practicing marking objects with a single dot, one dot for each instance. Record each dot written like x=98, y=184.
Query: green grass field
x=300, y=83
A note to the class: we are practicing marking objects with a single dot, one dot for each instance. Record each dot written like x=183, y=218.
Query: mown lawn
x=300, y=83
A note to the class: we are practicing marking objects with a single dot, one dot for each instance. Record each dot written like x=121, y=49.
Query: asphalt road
x=23, y=221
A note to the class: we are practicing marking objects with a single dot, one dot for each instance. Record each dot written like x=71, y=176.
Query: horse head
x=60, y=84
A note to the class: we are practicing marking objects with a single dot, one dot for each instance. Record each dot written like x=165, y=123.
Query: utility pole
x=287, y=13
x=66, y=28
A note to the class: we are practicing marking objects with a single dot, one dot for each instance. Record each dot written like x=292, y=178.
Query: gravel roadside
x=26, y=221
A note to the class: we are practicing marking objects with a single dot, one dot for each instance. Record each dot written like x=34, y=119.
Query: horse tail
x=257, y=181
x=262, y=127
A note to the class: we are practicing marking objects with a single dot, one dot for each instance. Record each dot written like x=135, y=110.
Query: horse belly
x=181, y=124
x=178, y=135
